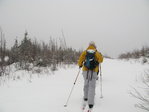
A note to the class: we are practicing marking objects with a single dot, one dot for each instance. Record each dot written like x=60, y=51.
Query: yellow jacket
x=98, y=57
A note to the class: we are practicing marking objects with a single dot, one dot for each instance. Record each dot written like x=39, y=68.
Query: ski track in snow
x=49, y=93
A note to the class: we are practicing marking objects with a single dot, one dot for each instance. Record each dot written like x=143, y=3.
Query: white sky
x=116, y=26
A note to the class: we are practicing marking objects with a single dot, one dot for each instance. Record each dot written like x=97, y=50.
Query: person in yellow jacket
x=90, y=73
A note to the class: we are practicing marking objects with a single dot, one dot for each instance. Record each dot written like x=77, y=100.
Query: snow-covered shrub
x=6, y=58
x=144, y=60
x=142, y=94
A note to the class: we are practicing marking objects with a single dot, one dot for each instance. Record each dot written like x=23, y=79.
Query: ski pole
x=72, y=88
x=101, y=82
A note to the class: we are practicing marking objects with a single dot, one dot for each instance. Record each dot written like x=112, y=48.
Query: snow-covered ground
x=48, y=93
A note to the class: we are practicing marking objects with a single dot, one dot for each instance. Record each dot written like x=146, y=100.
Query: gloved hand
x=80, y=66
x=98, y=72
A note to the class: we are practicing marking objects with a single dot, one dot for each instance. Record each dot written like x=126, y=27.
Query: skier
x=90, y=60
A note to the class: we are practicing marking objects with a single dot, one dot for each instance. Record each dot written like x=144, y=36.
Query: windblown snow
x=49, y=92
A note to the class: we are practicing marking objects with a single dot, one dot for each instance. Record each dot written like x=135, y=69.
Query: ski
x=90, y=110
x=85, y=109
x=84, y=106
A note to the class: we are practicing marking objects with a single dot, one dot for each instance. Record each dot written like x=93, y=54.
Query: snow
x=48, y=93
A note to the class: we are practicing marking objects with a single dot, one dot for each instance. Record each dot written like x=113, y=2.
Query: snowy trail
x=49, y=93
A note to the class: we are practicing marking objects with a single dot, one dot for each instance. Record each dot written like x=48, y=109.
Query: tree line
x=136, y=54
x=36, y=53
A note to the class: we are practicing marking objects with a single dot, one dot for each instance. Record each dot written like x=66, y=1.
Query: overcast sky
x=116, y=26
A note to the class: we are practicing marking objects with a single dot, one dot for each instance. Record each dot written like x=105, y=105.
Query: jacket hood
x=91, y=47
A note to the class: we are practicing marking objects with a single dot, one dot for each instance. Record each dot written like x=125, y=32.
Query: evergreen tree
x=15, y=52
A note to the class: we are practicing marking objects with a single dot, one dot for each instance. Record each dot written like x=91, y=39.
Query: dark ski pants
x=89, y=85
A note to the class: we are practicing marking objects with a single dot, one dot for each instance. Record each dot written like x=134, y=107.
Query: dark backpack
x=90, y=61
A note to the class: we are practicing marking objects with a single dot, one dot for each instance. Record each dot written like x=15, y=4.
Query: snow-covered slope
x=50, y=92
